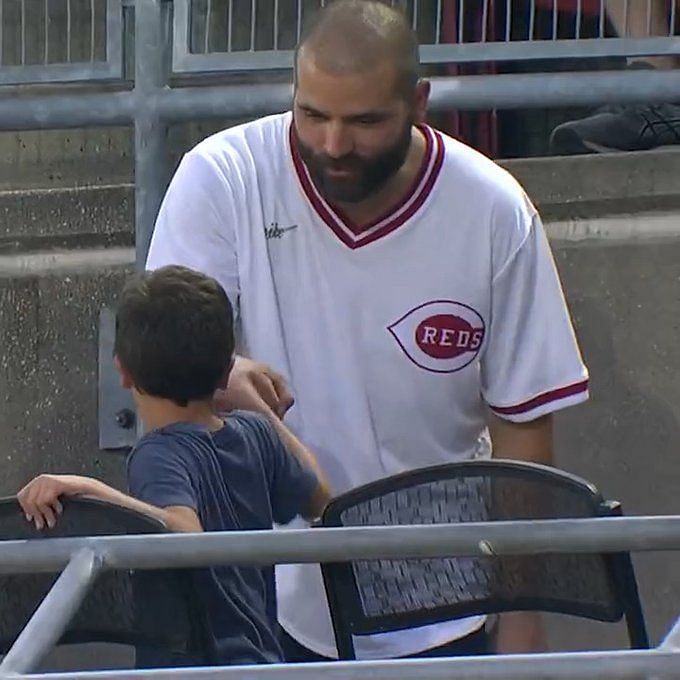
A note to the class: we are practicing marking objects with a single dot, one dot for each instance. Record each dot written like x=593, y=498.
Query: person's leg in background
x=629, y=128
x=632, y=20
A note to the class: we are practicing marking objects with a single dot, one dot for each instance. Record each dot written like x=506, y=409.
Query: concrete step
x=567, y=190
x=85, y=217
x=579, y=187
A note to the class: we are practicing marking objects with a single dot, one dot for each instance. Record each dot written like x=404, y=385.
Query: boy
x=192, y=470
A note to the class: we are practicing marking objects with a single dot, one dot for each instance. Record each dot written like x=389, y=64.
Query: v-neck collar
x=342, y=226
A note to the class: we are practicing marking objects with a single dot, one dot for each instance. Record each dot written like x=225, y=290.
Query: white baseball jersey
x=395, y=337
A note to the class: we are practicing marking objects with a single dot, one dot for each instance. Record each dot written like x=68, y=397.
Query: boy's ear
x=125, y=378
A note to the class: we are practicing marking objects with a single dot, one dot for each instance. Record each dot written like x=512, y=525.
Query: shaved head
x=355, y=36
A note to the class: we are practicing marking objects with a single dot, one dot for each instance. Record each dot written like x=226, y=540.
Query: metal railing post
x=151, y=75
x=50, y=619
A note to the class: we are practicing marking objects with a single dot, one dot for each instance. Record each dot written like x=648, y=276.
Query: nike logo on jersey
x=441, y=336
x=275, y=231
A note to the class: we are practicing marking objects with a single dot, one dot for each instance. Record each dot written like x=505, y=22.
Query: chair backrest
x=385, y=595
x=155, y=611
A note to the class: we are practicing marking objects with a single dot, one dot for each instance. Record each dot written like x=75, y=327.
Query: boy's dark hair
x=174, y=334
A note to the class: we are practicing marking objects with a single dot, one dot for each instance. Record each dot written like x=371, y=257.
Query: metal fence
x=83, y=559
x=255, y=35
x=39, y=43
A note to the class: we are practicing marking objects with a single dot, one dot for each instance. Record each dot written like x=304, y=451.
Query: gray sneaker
x=619, y=128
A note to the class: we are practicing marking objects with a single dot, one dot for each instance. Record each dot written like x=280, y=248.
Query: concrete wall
x=624, y=297
x=615, y=228
x=64, y=253
x=48, y=380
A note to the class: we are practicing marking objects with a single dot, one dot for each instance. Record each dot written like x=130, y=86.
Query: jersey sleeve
x=196, y=224
x=157, y=475
x=291, y=484
x=531, y=365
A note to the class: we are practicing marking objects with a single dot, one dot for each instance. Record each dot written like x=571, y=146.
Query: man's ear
x=422, y=97
x=125, y=378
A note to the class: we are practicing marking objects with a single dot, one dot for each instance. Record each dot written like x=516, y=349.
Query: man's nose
x=338, y=141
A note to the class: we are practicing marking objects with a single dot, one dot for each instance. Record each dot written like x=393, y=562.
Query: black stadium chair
x=154, y=611
x=379, y=596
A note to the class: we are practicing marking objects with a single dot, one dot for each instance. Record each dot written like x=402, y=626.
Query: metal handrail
x=84, y=557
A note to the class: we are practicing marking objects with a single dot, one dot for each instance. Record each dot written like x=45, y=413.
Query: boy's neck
x=156, y=413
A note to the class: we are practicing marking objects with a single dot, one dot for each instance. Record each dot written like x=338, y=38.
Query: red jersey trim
x=349, y=233
x=542, y=399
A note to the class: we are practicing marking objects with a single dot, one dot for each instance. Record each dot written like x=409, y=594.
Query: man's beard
x=368, y=175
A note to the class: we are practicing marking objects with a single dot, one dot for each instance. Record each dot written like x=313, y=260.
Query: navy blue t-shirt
x=238, y=478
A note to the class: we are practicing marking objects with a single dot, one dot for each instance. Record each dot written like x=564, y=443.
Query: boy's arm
x=39, y=500
x=322, y=493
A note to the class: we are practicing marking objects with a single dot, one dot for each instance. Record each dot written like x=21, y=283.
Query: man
x=399, y=281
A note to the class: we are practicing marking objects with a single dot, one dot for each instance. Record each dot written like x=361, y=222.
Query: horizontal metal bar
x=314, y=545
x=505, y=91
x=545, y=90
x=442, y=53
x=120, y=108
x=533, y=50
x=617, y=665
x=31, y=74
x=42, y=112
x=53, y=615
x=190, y=103
x=246, y=60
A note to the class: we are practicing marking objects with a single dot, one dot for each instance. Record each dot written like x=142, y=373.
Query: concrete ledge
x=60, y=261
x=567, y=190
x=648, y=226
x=572, y=187
x=66, y=218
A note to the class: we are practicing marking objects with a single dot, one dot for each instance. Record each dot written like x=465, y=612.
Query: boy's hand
x=255, y=387
x=39, y=499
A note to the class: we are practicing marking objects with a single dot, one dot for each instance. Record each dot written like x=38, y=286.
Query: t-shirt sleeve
x=291, y=484
x=196, y=224
x=531, y=365
x=157, y=474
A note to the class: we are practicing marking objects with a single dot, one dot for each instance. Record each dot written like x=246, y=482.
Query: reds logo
x=442, y=336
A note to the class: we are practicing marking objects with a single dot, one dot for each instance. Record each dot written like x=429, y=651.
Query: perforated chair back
x=385, y=595
x=154, y=611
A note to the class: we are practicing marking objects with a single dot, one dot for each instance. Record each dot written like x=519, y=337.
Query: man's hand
x=39, y=499
x=255, y=387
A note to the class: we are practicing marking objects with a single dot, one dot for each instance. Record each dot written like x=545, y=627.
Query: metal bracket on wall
x=117, y=417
